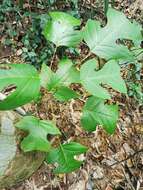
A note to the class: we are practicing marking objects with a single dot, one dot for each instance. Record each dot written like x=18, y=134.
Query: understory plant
x=104, y=42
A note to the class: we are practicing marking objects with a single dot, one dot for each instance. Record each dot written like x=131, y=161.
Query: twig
x=131, y=156
x=87, y=56
x=139, y=54
x=53, y=57
x=135, y=49
x=84, y=59
x=4, y=56
x=128, y=179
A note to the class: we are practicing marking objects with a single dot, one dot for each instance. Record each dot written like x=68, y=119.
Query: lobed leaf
x=38, y=131
x=61, y=30
x=102, y=41
x=109, y=75
x=59, y=81
x=96, y=112
x=26, y=80
x=64, y=157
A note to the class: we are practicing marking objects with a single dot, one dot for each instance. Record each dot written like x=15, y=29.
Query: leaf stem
x=129, y=157
x=53, y=57
x=63, y=154
x=139, y=53
x=84, y=59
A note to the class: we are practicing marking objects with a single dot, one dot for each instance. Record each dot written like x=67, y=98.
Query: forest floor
x=113, y=162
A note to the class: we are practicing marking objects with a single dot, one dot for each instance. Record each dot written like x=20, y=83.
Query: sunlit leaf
x=109, y=75
x=102, y=40
x=26, y=81
x=61, y=29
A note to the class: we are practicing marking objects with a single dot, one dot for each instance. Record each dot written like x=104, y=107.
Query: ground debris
x=112, y=162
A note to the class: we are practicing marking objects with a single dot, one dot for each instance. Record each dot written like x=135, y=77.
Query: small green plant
x=64, y=30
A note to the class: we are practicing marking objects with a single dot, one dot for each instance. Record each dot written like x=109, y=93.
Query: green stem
x=53, y=57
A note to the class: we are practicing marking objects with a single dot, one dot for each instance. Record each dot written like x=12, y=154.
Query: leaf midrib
x=62, y=150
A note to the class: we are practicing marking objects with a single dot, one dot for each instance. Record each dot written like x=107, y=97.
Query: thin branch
x=4, y=56
x=85, y=58
x=128, y=178
x=53, y=57
x=131, y=156
x=139, y=53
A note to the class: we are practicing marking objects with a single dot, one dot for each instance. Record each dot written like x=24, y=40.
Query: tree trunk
x=15, y=166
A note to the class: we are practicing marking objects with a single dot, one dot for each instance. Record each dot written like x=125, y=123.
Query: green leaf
x=95, y=112
x=26, y=80
x=67, y=73
x=64, y=94
x=64, y=156
x=58, y=82
x=61, y=29
x=109, y=74
x=38, y=131
x=64, y=76
x=45, y=75
x=102, y=40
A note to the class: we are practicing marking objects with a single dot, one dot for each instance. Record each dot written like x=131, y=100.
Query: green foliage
x=26, y=81
x=8, y=29
x=22, y=30
x=64, y=156
x=57, y=82
x=35, y=50
x=109, y=74
x=102, y=41
x=64, y=93
x=96, y=112
x=134, y=81
x=135, y=90
x=61, y=29
x=38, y=131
